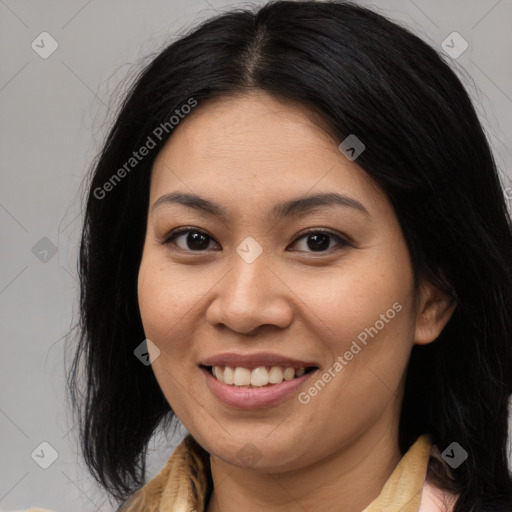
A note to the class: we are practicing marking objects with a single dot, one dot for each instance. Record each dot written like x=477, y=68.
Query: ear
x=434, y=311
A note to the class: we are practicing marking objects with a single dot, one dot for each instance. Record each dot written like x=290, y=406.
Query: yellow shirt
x=182, y=485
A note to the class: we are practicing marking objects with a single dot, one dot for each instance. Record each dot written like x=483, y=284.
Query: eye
x=196, y=240
x=318, y=240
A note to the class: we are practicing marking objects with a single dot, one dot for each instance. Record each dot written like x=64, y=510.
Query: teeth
x=258, y=377
x=228, y=374
x=275, y=375
x=242, y=377
x=289, y=373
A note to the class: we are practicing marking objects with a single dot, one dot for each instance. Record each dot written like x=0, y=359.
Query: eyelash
x=179, y=231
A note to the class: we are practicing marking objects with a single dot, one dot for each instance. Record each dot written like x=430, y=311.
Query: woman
x=297, y=243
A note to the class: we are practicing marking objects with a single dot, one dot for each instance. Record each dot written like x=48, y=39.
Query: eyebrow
x=295, y=206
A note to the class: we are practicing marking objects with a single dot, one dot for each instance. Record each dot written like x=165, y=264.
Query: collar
x=185, y=483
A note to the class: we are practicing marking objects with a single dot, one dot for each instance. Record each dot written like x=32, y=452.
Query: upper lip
x=256, y=360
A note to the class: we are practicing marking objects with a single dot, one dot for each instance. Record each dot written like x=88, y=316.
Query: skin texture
x=248, y=153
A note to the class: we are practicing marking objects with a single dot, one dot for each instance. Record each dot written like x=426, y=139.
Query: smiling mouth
x=263, y=376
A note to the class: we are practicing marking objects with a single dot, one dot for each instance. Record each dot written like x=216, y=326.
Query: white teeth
x=229, y=374
x=242, y=376
x=258, y=377
x=218, y=373
x=289, y=373
x=275, y=375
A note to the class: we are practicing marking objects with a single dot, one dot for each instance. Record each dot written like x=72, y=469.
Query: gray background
x=54, y=114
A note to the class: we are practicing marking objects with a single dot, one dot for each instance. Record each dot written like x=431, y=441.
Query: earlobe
x=434, y=311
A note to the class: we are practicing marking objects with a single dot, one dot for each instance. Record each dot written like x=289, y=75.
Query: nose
x=250, y=296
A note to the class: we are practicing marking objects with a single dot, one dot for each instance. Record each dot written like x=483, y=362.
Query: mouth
x=259, y=377
x=248, y=381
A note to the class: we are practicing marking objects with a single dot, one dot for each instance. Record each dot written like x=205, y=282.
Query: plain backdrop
x=54, y=113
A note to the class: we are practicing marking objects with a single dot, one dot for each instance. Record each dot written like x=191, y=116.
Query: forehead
x=255, y=146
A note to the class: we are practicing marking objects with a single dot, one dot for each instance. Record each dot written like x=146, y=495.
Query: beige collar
x=184, y=484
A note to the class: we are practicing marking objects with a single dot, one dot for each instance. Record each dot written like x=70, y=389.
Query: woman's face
x=250, y=283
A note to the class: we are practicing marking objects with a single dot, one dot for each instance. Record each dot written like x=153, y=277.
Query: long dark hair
x=425, y=148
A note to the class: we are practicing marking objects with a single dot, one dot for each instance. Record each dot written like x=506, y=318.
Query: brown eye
x=196, y=240
x=320, y=240
x=193, y=239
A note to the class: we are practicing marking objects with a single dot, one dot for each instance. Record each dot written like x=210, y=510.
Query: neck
x=347, y=480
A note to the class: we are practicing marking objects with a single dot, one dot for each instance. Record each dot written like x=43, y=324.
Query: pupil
x=199, y=241
x=318, y=245
x=194, y=240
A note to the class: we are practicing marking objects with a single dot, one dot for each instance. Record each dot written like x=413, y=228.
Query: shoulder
x=436, y=500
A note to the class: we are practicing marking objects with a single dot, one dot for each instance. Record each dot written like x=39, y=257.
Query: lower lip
x=251, y=398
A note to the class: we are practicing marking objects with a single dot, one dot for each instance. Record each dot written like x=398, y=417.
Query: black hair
x=426, y=149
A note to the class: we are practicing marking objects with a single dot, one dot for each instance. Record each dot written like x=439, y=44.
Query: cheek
x=360, y=296
x=164, y=301
x=366, y=333
x=364, y=315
